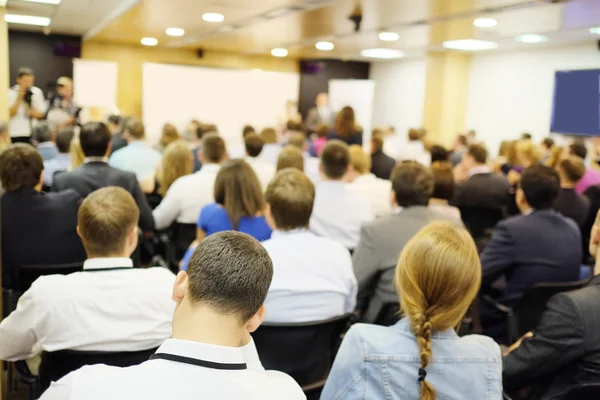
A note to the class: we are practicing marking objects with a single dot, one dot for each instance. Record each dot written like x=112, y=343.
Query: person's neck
x=438, y=202
x=525, y=208
x=597, y=266
x=38, y=187
x=567, y=185
x=113, y=255
x=325, y=178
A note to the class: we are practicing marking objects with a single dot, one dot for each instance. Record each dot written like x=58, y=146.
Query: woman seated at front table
x=239, y=205
x=422, y=357
x=346, y=129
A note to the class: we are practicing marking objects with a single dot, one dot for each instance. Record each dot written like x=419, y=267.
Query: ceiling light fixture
x=469, y=45
x=175, y=32
x=149, y=41
x=595, y=31
x=324, y=46
x=387, y=54
x=213, y=17
x=389, y=36
x=531, y=38
x=26, y=20
x=54, y=2
x=485, y=22
x=279, y=52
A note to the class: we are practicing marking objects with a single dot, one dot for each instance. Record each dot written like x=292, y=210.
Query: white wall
x=511, y=93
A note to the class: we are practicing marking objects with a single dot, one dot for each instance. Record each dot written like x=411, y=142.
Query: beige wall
x=131, y=58
x=4, y=79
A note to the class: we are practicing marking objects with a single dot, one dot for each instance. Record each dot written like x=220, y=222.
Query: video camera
x=28, y=97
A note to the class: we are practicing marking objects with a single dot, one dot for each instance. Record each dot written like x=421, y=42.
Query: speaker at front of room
x=200, y=53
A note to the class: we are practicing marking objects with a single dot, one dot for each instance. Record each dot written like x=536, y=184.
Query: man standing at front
x=26, y=105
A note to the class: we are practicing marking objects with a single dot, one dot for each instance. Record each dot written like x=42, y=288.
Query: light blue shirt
x=137, y=157
x=377, y=363
x=270, y=153
x=313, y=279
x=62, y=162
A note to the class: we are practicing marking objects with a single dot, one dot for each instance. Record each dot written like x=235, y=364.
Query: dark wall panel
x=41, y=53
x=315, y=76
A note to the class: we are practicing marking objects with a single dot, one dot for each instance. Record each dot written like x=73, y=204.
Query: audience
x=547, y=146
x=168, y=135
x=382, y=165
x=188, y=194
x=338, y=213
x=377, y=190
x=422, y=357
x=591, y=176
x=177, y=161
x=414, y=149
x=507, y=157
x=199, y=131
x=443, y=190
x=44, y=137
x=313, y=278
x=62, y=162
x=319, y=142
x=37, y=228
x=346, y=129
x=563, y=351
x=556, y=155
x=290, y=157
x=115, y=125
x=95, y=173
x=271, y=149
x=540, y=245
x=382, y=240
x=459, y=148
x=254, y=145
x=109, y=306
x=569, y=203
x=311, y=164
x=439, y=154
x=239, y=150
x=137, y=157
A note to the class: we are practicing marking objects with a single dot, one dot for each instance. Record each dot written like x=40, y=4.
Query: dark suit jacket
x=572, y=205
x=39, y=228
x=382, y=165
x=565, y=349
x=356, y=138
x=543, y=246
x=118, y=142
x=95, y=175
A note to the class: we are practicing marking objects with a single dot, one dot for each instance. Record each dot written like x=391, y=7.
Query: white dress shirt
x=415, y=151
x=162, y=379
x=186, y=197
x=270, y=153
x=19, y=125
x=109, y=306
x=264, y=171
x=311, y=168
x=376, y=190
x=339, y=213
x=313, y=278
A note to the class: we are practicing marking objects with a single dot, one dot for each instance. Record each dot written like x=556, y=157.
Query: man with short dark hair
x=254, y=145
x=95, y=173
x=37, y=228
x=114, y=124
x=188, y=194
x=540, y=245
x=62, y=162
x=382, y=165
x=382, y=240
x=211, y=354
x=339, y=213
x=591, y=176
x=137, y=157
x=302, y=290
x=26, y=106
x=109, y=306
x=569, y=203
x=44, y=137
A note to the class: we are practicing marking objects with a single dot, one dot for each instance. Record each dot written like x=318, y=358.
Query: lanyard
x=197, y=362
x=106, y=269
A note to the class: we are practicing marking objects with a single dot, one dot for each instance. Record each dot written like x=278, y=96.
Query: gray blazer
x=377, y=253
x=314, y=119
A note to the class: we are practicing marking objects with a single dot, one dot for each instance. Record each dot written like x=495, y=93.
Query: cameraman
x=62, y=111
x=26, y=104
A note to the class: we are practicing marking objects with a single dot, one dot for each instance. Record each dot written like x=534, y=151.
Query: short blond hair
x=527, y=151
x=290, y=157
x=359, y=160
x=291, y=196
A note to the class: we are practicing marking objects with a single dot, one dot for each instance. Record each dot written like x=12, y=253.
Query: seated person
x=188, y=194
x=109, y=306
x=564, y=350
x=313, y=277
x=591, y=176
x=311, y=164
x=443, y=190
x=271, y=149
x=211, y=354
x=290, y=157
x=37, y=228
x=338, y=213
x=95, y=173
x=345, y=128
x=44, y=137
x=540, y=245
x=439, y=153
x=265, y=172
x=421, y=356
x=364, y=182
x=414, y=149
x=382, y=165
x=569, y=203
x=62, y=162
x=114, y=124
x=382, y=240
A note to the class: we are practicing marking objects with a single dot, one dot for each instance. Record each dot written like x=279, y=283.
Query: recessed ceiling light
x=213, y=17
x=324, y=46
x=175, y=32
x=278, y=52
x=382, y=53
x=485, y=22
x=469, y=44
x=26, y=20
x=531, y=38
x=595, y=31
x=55, y=2
x=149, y=41
x=389, y=36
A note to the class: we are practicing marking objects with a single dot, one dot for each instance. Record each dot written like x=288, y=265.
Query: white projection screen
x=227, y=98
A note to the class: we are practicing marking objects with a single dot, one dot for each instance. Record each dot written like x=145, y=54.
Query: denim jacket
x=376, y=362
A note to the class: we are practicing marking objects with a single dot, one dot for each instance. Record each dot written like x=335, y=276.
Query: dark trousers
x=21, y=139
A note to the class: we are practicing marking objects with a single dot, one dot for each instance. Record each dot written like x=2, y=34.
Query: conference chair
x=526, y=315
x=175, y=241
x=588, y=391
x=388, y=315
x=305, y=351
x=25, y=275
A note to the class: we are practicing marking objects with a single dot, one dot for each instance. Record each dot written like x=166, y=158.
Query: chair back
x=25, y=275
x=588, y=391
x=530, y=308
x=183, y=236
x=305, y=351
x=57, y=364
x=480, y=221
x=388, y=315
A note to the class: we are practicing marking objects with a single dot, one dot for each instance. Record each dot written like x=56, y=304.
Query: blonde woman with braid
x=422, y=357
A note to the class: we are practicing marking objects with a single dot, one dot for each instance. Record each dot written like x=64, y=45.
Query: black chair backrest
x=183, y=236
x=589, y=391
x=25, y=275
x=388, y=315
x=305, y=351
x=530, y=308
x=57, y=364
x=479, y=221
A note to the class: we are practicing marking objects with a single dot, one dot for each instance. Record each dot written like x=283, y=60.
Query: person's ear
x=200, y=157
x=594, y=241
x=180, y=287
x=132, y=239
x=78, y=231
x=257, y=319
x=393, y=200
x=520, y=197
x=269, y=217
x=109, y=148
